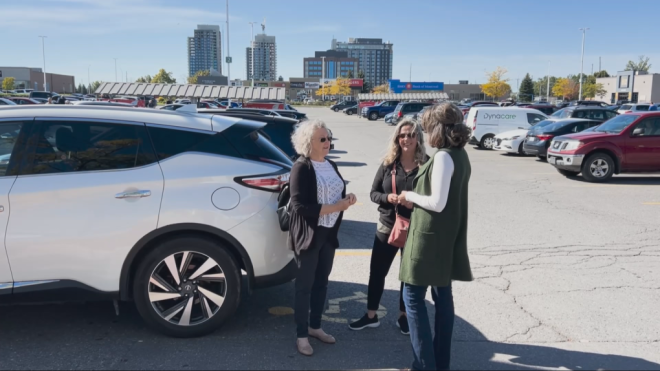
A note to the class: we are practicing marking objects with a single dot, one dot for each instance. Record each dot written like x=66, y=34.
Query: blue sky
x=444, y=40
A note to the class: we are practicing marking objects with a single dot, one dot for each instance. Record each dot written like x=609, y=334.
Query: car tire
x=373, y=116
x=541, y=158
x=598, y=168
x=213, y=295
x=487, y=142
x=336, y=109
x=349, y=113
x=567, y=173
x=521, y=152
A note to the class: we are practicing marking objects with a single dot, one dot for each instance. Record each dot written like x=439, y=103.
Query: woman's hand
x=343, y=204
x=393, y=199
x=407, y=204
x=402, y=197
x=352, y=198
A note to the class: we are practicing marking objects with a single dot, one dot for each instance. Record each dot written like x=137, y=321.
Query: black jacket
x=305, y=209
x=382, y=187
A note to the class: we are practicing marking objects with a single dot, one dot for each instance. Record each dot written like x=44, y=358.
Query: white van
x=486, y=122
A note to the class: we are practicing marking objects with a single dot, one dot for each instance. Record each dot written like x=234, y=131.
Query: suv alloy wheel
x=373, y=116
x=598, y=167
x=187, y=287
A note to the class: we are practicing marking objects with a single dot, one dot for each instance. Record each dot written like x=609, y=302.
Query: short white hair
x=304, y=134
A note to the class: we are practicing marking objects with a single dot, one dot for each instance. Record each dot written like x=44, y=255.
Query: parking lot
x=567, y=275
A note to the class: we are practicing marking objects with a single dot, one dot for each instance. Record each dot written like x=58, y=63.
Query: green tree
x=349, y=75
x=144, y=79
x=602, y=73
x=366, y=87
x=592, y=89
x=163, y=77
x=541, y=85
x=193, y=79
x=280, y=79
x=642, y=65
x=95, y=85
x=8, y=83
x=526, y=90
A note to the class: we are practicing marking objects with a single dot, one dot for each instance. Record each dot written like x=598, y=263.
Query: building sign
x=297, y=85
x=279, y=85
x=355, y=83
x=328, y=81
x=396, y=86
x=312, y=85
x=261, y=84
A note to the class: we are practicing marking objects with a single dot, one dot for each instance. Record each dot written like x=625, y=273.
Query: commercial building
x=632, y=86
x=204, y=50
x=33, y=78
x=337, y=64
x=375, y=58
x=264, y=50
x=455, y=92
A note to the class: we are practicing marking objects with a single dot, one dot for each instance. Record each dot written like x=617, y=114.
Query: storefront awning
x=191, y=91
x=403, y=96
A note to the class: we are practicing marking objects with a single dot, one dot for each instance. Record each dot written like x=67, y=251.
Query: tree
x=323, y=90
x=144, y=79
x=366, y=87
x=642, y=65
x=566, y=88
x=163, y=77
x=193, y=79
x=591, y=90
x=95, y=85
x=526, y=90
x=8, y=83
x=381, y=89
x=340, y=87
x=541, y=85
x=497, y=85
x=602, y=73
x=280, y=79
x=349, y=75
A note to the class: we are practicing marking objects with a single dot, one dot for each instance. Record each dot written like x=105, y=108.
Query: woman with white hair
x=318, y=200
x=405, y=154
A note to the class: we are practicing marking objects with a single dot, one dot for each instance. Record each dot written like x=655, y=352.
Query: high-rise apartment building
x=375, y=58
x=337, y=64
x=265, y=58
x=204, y=50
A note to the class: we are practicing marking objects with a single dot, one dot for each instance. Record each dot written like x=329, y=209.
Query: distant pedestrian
x=50, y=100
x=436, y=250
x=318, y=202
x=405, y=154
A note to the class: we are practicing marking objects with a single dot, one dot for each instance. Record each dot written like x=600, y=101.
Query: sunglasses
x=407, y=135
x=329, y=139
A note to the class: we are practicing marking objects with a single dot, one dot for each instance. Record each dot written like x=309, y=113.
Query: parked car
x=182, y=101
x=292, y=114
x=24, y=91
x=487, y=122
x=100, y=103
x=628, y=143
x=21, y=101
x=171, y=107
x=582, y=112
x=537, y=142
x=547, y=109
x=589, y=103
x=351, y=110
x=404, y=108
x=467, y=107
x=40, y=100
x=340, y=106
x=223, y=103
x=388, y=118
x=189, y=201
x=379, y=110
x=265, y=112
x=43, y=94
x=6, y=102
x=636, y=107
x=206, y=105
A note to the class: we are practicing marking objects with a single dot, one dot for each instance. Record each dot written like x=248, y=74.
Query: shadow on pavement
x=350, y=164
x=357, y=234
x=626, y=180
x=90, y=336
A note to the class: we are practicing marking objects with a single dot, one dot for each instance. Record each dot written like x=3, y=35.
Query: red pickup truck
x=628, y=143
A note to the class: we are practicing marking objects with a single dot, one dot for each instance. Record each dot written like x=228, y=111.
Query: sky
x=441, y=40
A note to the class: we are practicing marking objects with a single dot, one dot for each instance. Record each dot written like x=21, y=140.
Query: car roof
x=246, y=114
x=183, y=120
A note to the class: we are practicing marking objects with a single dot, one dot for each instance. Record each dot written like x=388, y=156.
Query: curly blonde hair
x=444, y=125
x=304, y=134
x=394, y=149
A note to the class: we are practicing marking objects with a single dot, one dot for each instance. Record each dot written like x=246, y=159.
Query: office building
x=337, y=64
x=33, y=78
x=631, y=86
x=204, y=50
x=264, y=50
x=375, y=58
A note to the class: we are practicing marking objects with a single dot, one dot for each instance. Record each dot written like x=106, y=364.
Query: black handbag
x=283, y=208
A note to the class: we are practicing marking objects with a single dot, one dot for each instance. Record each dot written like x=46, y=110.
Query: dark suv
x=43, y=94
x=407, y=108
x=584, y=112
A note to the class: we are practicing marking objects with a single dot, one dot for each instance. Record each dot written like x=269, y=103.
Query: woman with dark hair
x=436, y=249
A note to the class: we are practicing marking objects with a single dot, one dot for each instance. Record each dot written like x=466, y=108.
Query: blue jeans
x=431, y=353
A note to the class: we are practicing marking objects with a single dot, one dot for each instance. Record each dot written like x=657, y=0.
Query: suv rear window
x=642, y=108
x=171, y=142
x=251, y=144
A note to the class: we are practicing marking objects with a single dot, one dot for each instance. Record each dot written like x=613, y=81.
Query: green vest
x=436, y=250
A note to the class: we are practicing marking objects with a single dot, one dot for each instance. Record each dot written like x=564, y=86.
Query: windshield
x=541, y=124
x=562, y=113
x=555, y=126
x=617, y=124
x=626, y=107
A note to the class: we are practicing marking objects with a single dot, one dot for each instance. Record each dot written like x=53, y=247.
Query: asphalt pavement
x=567, y=276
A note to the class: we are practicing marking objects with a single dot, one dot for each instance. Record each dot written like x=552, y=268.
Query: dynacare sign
x=396, y=86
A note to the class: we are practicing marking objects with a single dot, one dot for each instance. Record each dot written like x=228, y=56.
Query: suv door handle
x=133, y=194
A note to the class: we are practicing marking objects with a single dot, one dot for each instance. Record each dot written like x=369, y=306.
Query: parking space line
x=650, y=203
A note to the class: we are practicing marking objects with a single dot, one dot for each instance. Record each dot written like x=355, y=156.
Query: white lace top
x=329, y=188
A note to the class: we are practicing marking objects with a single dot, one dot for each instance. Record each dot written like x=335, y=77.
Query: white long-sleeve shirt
x=443, y=170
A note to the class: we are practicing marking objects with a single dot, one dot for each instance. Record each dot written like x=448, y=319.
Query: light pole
x=252, y=47
x=322, y=85
x=584, y=33
x=89, y=82
x=547, y=94
x=228, y=54
x=115, y=69
x=43, y=50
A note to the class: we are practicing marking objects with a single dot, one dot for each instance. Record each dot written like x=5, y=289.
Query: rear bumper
x=539, y=149
x=566, y=162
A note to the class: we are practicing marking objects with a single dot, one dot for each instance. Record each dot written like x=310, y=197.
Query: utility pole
x=89, y=82
x=43, y=50
x=115, y=69
x=599, y=67
x=584, y=34
x=547, y=96
x=322, y=85
x=228, y=53
x=252, y=47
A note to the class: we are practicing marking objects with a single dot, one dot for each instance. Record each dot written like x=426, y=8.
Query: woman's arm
x=443, y=170
x=299, y=177
x=378, y=195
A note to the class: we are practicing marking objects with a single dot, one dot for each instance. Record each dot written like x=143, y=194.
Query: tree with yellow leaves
x=323, y=90
x=381, y=89
x=497, y=86
x=565, y=88
x=340, y=87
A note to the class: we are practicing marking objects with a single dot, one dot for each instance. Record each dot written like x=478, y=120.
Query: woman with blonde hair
x=318, y=202
x=436, y=249
x=405, y=154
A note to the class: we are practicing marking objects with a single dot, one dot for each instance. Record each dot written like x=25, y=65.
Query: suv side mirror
x=638, y=132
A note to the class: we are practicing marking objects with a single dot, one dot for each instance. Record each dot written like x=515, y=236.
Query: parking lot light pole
x=43, y=50
x=547, y=94
x=89, y=82
x=584, y=33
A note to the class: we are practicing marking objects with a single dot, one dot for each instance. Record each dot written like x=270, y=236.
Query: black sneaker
x=365, y=322
x=402, y=323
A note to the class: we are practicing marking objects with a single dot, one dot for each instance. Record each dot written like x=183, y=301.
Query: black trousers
x=382, y=256
x=314, y=267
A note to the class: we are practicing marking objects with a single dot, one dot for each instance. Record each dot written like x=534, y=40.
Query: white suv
x=163, y=208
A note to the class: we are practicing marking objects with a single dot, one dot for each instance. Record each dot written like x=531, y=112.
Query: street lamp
x=89, y=82
x=43, y=50
x=322, y=85
x=584, y=33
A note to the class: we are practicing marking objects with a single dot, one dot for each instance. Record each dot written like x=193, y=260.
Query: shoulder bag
x=400, y=228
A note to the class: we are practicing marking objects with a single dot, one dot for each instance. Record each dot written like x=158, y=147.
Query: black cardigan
x=305, y=209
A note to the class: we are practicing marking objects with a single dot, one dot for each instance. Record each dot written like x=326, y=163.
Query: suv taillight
x=400, y=114
x=474, y=123
x=270, y=183
x=544, y=137
x=628, y=112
